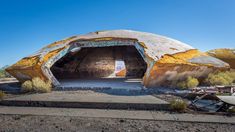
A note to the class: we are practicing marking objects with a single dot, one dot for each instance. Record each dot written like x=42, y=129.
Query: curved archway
x=99, y=59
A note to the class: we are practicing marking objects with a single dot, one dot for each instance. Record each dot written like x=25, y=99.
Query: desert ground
x=13, y=123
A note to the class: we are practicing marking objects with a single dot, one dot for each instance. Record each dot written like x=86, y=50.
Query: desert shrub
x=2, y=94
x=41, y=86
x=231, y=74
x=178, y=105
x=220, y=78
x=27, y=86
x=190, y=82
x=36, y=85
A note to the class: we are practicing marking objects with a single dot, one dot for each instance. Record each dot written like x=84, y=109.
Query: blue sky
x=28, y=25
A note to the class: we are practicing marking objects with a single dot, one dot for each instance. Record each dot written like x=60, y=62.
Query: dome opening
x=100, y=62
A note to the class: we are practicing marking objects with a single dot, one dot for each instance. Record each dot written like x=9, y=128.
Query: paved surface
x=114, y=83
x=125, y=114
x=89, y=96
x=88, y=99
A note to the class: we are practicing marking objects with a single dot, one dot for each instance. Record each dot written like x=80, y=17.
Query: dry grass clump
x=41, y=86
x=37, y=85
x=221, y=78
x=178, y=105
x=217, y=78
x=2, y=94
x=190, y=82
x=231, y=74
x=27, y=86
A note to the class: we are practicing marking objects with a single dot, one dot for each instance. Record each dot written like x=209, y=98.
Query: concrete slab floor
x=88, y=96
x=87, y=99
x=113, y=83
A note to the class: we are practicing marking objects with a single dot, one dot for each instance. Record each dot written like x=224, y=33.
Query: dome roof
x=155, y=45
x=167, y=59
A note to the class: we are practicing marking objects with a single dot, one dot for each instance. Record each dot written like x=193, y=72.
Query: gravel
x=30, y=123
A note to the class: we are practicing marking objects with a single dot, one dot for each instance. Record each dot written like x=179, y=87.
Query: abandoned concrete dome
x=158, y=60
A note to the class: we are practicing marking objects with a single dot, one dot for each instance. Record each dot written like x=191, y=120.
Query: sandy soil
x=30, y=123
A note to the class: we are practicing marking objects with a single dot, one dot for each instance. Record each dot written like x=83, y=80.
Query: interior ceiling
x=97, y=62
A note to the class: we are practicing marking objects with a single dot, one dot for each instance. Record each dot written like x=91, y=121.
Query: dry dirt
x=30, y=123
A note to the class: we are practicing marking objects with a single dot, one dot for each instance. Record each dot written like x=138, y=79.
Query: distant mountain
x=224, y=54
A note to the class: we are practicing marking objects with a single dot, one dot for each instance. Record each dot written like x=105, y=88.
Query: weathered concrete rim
x=88, y=43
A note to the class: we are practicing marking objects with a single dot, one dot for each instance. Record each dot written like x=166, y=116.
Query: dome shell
x=167, y=59
x=155, y=45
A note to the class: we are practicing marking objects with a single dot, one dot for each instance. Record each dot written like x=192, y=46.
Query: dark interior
x=98, y=62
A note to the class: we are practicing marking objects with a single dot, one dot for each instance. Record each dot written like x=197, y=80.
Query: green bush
x=178, y=105
x=36, y=85
x=3, y=73
x=190, y=82
x=220, y=78
x=27, y=86
x=2, y=94
x=41, y=86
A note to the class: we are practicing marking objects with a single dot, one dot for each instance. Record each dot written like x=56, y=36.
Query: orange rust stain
x=25, y=63
x=180, y=58
x=31, y=73
x=102, y=39
x=31, y=66
x=122, y=73
x=51, y=54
